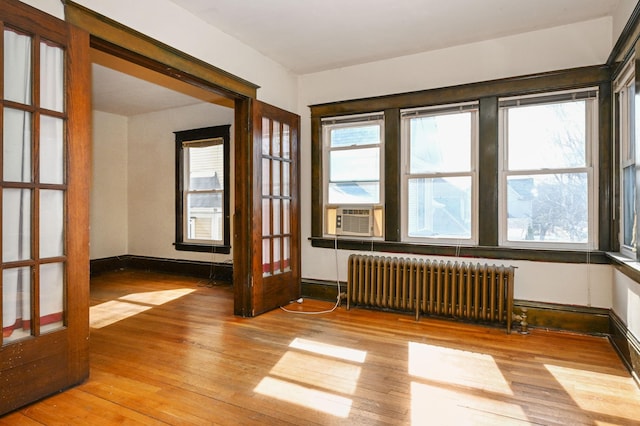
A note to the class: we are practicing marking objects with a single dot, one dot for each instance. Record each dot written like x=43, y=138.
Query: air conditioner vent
x=355, y=221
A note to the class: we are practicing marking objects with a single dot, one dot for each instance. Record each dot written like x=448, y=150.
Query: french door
x=273, y=177
x=44, y=194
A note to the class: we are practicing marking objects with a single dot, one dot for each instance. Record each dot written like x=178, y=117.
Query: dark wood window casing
x=487, y=94
x=214, y=132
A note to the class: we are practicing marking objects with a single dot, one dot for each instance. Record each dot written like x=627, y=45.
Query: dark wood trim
x=626, y=345
x=604, y=167
x=487, y=93
x=242, y=214
x=506, y=253
x=218, y=271
x=625, y=268
x=392, y=178
x=626, y=41
x=579, y=319
x=615, y=174
x=221, y=131
x=203, y=248
x=111, y=36
x=555, y=316
x=528, y=84
x=317, y=184
x=321, y=289
x=488, y=172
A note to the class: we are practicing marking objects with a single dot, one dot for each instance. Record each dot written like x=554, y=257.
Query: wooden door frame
x=111, y=37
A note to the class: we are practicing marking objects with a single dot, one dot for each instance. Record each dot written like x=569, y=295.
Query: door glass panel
x=266, y=256
x=275, y=189
x=286, y=142
x=286, y=219
x=287, y=253
x=276, y=256
x=51, y=77
x=16, y=224
x=51, y=150
x=16, y=148
x=16, y=304
x=276, y=217
x=51, y=223
x=266, y=140
x=17, y=77
x=266, y=176
x=51, y=296
x=266, y=217
x=286, y=179
x=276, y=139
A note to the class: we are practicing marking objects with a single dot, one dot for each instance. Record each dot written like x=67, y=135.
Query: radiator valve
x=522, y=317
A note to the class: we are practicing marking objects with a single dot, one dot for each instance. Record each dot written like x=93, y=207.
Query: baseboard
x=192, y=268
x=554, y=316
x=321, y=290
x=626, y=344
x=579, y=319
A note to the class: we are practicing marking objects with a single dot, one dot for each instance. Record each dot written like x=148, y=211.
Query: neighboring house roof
x=206, y=182
x=207, y=200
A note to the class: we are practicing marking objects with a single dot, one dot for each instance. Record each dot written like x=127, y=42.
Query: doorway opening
x=136, y=112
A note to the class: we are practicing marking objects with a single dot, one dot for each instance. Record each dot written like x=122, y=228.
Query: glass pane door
x=276, y=197
x=33, y=187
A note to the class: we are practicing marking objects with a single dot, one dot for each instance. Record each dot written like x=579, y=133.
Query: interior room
x=325, y=196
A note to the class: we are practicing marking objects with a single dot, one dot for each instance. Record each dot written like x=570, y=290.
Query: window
x=439, y=179
x=547, y=177
x=353, y=172
x=202, y=189
x=625, y=91
x=506, y=169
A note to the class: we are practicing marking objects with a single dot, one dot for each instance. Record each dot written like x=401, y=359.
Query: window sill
x=486, y=252
x=203, y=248
x=626, y=265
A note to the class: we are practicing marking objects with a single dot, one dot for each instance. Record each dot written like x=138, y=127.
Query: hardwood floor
x=168, y=350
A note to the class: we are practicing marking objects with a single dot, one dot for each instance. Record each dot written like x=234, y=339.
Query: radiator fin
x=476, y=292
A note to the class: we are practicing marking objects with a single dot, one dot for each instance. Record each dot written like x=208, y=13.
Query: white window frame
x=591, y=154
x=329, y=209
x=622, y=87
x=406, y=116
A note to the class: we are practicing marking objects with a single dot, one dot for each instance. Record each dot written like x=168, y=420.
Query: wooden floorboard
x=168, y=350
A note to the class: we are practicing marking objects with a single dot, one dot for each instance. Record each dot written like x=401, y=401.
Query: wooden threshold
x=168, y=350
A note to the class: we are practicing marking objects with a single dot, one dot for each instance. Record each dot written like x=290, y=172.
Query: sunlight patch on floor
x=438, y=406
x=112, y=311
x=315, y=371
x=591, y=399
x=458, y=367
x=320, y=348
x=302, y=373
x=325, y=402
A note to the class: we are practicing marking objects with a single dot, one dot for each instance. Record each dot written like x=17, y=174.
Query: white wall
x=109, y=208
x=151, y=171
x=626, y=301
x=582, y=44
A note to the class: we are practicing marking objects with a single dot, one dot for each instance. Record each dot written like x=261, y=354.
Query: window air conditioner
x=354, y=221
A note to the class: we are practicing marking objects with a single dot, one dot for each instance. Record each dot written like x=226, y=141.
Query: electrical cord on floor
x=327, y=311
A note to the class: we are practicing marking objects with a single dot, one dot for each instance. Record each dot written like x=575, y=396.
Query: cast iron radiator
x=473, y=292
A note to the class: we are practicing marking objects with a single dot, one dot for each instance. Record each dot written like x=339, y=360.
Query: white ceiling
x=119, y=93
x=313, y=35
